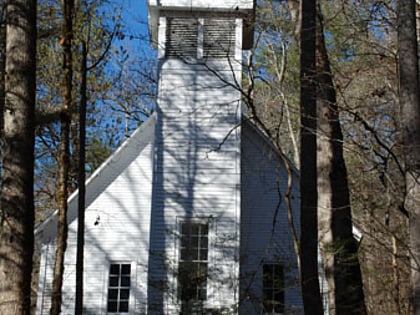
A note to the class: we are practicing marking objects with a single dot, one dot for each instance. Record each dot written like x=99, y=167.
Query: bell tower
x=195, y=221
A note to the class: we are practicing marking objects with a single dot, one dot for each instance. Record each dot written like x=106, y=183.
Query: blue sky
x=135, y=17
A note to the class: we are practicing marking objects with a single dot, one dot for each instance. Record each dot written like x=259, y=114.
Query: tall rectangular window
x=119, y=288
x=273, y=289
x=193, y=262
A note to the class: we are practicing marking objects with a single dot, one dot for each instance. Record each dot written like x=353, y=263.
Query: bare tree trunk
x=2, y=61
x=64, y=159
x=81, y=184
x=410, y=124
x=17, y=208
x=339, y=249
x=308, y=217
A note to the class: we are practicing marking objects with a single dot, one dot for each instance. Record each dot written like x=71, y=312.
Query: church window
x=119, y=288
x=273, y=289
x=193, y=262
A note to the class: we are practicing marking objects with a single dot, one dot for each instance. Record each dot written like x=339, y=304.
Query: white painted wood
x=265, y=230
x=192, y=160
x=159, y=8
x=117, y=227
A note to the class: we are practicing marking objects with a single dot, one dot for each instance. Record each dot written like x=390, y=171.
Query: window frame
x=193, y=258
x=275, y=284
x=119, y=287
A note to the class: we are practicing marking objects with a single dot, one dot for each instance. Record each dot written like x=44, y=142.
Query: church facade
x=189, y=215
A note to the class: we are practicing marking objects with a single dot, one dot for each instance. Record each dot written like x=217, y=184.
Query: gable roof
x=104, y=175
x=112, y=167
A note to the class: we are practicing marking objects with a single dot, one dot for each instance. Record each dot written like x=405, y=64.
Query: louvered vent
x=219, y=38
x=181, y=37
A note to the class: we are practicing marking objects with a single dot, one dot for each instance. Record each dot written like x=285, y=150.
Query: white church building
x=189, y=215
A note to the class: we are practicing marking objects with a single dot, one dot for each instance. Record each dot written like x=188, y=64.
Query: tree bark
x=64, y=159
x=339, y=250
x=2, y=61
x=81, y=184
x=410, y=125
x=17, y=207
x=308, y=205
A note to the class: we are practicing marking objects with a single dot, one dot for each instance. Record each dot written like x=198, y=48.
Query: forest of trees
x=334, y=84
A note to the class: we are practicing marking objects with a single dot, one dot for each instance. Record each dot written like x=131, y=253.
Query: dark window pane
x=184, y=253
x=113, y=281
x=123, y=307
x=112, y=294
x=204, y=229
x=185, y=229
x=194, y=241
x=124, y=294
x=112, y=306
x=114, y=269
x=125, y=281
x=184, y=240
x=203, y=242
x=194, y=229
x=203, y=254
x=193, y=254
x=125, y=269
x=273, y=288
x=202, y=294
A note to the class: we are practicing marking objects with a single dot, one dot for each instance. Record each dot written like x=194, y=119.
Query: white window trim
x=162, y=37
x=200, y=38
x=133, y=282
x=208, y=303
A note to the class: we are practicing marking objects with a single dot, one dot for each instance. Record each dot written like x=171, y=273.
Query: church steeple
x=196, y=199
x=216, y=8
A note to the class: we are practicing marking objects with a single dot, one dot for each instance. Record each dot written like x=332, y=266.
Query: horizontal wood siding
x=46, y=269
x=265, y=230
x=117, y=228
x=197, y=177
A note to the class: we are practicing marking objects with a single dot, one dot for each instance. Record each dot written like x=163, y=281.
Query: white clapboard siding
x=192, y=161
x=197, y=170
x=265, y=229
x=117, y=222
